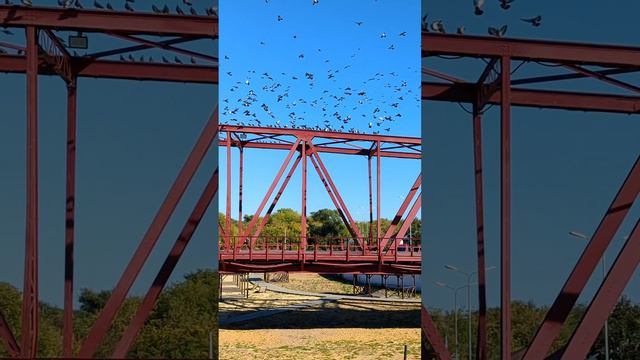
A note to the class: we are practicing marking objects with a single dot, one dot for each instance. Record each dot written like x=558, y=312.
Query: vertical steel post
x=481, y=346
x=30, y=311
x=505, y=208
x=228, y=200
x=67, y=323
x=240, y=176
x=370, y=204
x=378, y=190
x=303, y=218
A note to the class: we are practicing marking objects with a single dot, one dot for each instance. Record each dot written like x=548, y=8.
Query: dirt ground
x=334, y=330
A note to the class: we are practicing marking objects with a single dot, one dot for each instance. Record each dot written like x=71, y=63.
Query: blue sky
x=133, y=137
x=380, y=57
x=567, y=166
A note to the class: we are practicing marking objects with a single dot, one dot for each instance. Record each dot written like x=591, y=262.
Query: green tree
x=326, y=223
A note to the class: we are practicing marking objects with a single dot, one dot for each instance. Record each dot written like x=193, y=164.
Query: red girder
x=532, y=50
x=121, y=70
x=104, y=21
x=465, y=92
x=615, y=60
x=310, y=134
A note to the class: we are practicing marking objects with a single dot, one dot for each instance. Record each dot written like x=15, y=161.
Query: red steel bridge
x=391, y=252
x=43, y=53
x=495, y=85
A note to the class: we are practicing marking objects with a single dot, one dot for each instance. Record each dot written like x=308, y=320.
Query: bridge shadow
x=337, y=315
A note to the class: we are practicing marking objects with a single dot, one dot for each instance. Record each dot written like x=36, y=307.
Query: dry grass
x=344, y=343
x=335, y=330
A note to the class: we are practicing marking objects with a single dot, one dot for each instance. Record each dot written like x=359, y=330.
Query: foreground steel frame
x=383, y=254
x=44, y=54
x=496, y=86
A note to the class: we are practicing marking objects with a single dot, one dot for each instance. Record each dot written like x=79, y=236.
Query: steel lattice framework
x=386, y=253
x=598, y=62
x=45, y=54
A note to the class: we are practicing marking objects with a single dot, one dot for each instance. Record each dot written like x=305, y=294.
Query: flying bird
x=506, y=4
x=535, y=21
x=498, y=32
x=478, y=4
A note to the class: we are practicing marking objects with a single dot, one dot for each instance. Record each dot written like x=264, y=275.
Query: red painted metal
x=378, y=225
x=275, y=182
x=481, y=348
x=228, y=213
x=604, y=78
x=605, y=299
x=266, y=217
x=271, y=251
x=240, y=177
x=106, y=21
x=351, y=224
x=8, y=339
x=587, y=263
x=551, y=99
x=160, y=45
x=433, y=336
x=403, y=207
x=573, y=56
x=303, y=212
x=370, y=203
x=108, y=313
x=267, y=253
x=199, y=74
x=311, y=134
x=331, y=195
x=45, y=55
x=532, y=50
x=30, y=304
x=505, y=208
x=150, y=299
x=409, y=220
x=67, y=337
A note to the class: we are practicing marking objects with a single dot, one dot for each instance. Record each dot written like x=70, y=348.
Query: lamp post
x=455, y=311
x=468, y=275
x=604, y=274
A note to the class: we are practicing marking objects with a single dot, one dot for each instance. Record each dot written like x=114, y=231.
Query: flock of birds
x=478, y=9
x=129, y=6
x=331, y=94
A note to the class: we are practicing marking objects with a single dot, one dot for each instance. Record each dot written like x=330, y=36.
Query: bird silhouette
x=478, y=4
x=534, y=21
x=498, y=32
x=128, y=6
x=506, y=4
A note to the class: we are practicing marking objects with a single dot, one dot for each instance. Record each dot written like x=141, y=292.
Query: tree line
x=320, y=224
x=624, y=329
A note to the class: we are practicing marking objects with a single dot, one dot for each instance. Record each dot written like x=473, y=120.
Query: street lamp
x=455, y=310
x=468, y=275
x=604, y=274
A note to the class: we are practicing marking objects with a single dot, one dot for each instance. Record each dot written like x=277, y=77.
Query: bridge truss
x=391, y=252
x=495, y=86
x=44, y=53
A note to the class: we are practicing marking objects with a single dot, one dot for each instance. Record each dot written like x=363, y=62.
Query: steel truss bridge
x=391, y=252
x=495, y=85
x=43, y=53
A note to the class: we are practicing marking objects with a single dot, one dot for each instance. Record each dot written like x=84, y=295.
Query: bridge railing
x=314, y=248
